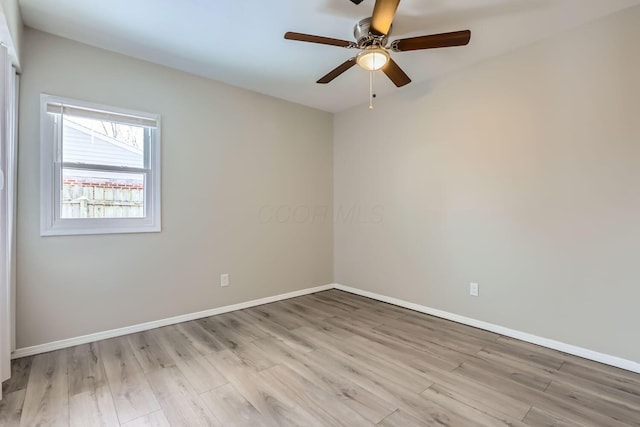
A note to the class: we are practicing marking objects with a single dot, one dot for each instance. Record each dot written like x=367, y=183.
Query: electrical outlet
x=224, y=279
x=474, y=289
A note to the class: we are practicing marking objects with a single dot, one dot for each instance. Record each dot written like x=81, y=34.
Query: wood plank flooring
x=326, y=359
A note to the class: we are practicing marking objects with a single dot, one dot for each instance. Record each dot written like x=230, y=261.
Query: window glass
x=100, y=169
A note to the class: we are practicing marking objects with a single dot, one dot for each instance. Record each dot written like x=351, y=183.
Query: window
x=100, y=169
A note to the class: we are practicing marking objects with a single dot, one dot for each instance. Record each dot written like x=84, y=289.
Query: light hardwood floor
x=331, y=358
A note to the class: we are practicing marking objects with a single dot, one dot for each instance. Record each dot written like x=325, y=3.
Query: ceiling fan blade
x=395, y=73
x=317, y=39
x=456, y=38
x=383, y=13
x=338, y=70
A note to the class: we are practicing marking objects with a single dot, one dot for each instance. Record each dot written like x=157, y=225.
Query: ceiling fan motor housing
x=364, y=37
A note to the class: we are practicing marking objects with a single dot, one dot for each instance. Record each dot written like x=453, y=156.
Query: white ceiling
x=241, y=42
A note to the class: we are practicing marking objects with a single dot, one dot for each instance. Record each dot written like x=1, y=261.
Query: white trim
x=6, y=38
x=51, y=169
x=618, y=362
x=5, y=233
x=84, y=339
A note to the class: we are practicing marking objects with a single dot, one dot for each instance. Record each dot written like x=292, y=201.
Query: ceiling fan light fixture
x=373, y=58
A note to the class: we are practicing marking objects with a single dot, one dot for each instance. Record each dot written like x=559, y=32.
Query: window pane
x=101, y=194
x=100, y=142
x=100, y=168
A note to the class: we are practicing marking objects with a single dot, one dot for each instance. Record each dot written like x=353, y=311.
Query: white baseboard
x=618, y=362
x=70, y=342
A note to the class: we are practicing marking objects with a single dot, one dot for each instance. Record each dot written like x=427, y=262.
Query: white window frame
x=51, y=224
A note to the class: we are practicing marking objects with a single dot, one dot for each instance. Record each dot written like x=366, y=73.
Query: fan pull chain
x=371, y=94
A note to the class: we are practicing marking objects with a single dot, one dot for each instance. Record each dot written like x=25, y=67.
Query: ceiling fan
x=372, y=35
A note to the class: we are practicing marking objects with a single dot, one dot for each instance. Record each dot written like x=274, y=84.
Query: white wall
x=521, y=173
x=227, y=153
